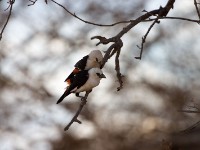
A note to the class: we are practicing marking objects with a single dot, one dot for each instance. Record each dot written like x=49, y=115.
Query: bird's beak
x=102, y=76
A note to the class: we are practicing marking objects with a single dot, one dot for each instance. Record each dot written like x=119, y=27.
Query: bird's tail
x=66, y=93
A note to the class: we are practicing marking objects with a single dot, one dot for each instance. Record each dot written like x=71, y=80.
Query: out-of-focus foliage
x=42, y=43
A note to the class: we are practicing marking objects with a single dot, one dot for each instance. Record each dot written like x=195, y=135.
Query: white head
x=96, y=73
x=96, y=56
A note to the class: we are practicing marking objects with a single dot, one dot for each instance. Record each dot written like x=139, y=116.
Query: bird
x=84, y=80
x=92, y=60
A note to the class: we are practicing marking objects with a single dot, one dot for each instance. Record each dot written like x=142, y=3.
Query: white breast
x=92, y=82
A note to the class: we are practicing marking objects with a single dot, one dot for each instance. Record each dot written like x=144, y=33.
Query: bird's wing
x=68, y=79
x=82, y=63
x=78, y=80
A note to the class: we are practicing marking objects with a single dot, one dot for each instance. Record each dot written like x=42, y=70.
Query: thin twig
x=144, y=39
x=180, y=18
x=75, y=118
x=119, y=22
x=189, y=111
x=11, y=2
x=32, y=2
x=162, y=13
x=191, y=127
x=196, y=107
x=88, y=22
x=117, y=68
x=197, y=9
x=92, y=23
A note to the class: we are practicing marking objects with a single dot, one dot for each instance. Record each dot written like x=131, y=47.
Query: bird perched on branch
x=92, y=60
x=84, y=80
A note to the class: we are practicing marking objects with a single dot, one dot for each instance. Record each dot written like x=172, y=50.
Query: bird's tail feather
x=66, y=93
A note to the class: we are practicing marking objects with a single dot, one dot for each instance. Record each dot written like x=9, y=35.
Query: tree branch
x=144, y=38
x=197, y=9
x=189, y=111
x=11, y=2
x=162, y=13
x=180, y=18
x=75, y=118
x=117, y=68
x=32, y=2
x=88, y=22
x=191, y=127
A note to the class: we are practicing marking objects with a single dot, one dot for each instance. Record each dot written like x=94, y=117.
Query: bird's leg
x=84, y=98
x=77, y=94
x=87, y=92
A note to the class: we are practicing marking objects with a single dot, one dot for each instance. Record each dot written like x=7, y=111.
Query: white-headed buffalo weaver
x=93, y=60
x=84, y=80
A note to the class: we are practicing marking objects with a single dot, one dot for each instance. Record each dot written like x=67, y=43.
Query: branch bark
x=191, y=127
x=75, y=118
x=11, y=2
x=197, y=9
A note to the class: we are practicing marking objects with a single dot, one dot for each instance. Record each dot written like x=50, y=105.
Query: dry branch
x=88, y=22
x=190, y=111
x=144, y=38
x=117, y=68
x=10, y=2
x=75, y=118
x=189, y=129
x=197, y=9
x=180, y=18
x=32, y=2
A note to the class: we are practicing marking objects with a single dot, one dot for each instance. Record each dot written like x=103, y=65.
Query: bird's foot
x=77, y=95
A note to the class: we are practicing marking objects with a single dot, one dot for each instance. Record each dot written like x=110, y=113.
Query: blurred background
x=41, y=44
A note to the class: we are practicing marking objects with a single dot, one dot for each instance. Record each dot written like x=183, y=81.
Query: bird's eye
x=97, y=59
x=98, y=74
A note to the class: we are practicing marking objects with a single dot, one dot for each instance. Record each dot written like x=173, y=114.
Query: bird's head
x=96, y=56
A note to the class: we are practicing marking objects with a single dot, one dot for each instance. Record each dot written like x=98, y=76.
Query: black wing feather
x=82, y=63
x=79, y=79
x=70, y=76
